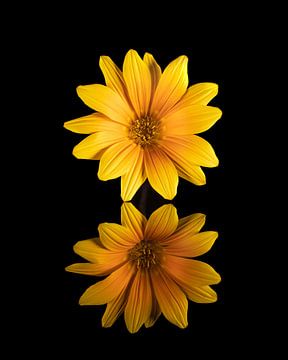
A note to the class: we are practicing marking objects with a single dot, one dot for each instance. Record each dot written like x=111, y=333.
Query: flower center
x=144, y=131
x=145, y=254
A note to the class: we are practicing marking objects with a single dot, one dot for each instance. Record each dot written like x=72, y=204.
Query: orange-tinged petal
x=192, y=149
x=133, y=219
x=103, y=99
x=92, y=123
x=106, y=290
x=91, y=146
x=116, y=237
x=203, y=294
x=138, y=82
x=118, y=159
x=171, y=87
x=114, y=309
x=198, y=94
x=162, y=223
x=190, y=120
x=155, y=71
x=191, y=224
x=193, y=174
x=106, y=260
x=183, y=244
x=134, y=178
x=155, y=312
x=139, y=304
x=171, y=299
x=161, y=172
x=113, y=76
x=183, y=162
x=190, y=272
x=95, y=269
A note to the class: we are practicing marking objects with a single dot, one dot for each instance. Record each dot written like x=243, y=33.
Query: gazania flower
x=145, y=125
x=149, y=265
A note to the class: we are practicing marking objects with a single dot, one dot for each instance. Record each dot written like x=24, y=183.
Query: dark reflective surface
x=88, y=201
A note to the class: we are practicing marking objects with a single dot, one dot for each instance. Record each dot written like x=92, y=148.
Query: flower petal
x=192, y=149
x=85, y=269
x=155, y=71
x=171, y=299
x=182, y=160
x=91, y=146
x=193, y=174
x=133, y=219
x=161, y=172
x=114, y=309
x=191, y=224
x=139, y=302
x=198, y=94
x=134, y=178
x=203, y=294
x=190, y=272
x=113, y=76
x=155, y=313
x=138, y=82
x=171, y=87
x=117, y=160
x=116, y=237
x=103, y=99
x=183, y=244
x=190, y=120
x=162, y=223
x=92, y=123
x=106, y=290
x=106, y=261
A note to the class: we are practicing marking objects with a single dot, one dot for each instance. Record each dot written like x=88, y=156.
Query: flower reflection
x=149, y=266
x=145, y=125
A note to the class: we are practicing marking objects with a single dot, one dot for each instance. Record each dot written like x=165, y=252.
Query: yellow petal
x=118, y=159
x=193, y=174
x=106, y=261
x=155, y=71
x=198, y=94
x=103, y=99
x=162, y=223
x=161, y=172
x=191, y=149
x=171, y=87
x=191, y=224
x=91, y=146
x=134, y=178
x=106, y=290
x=190, y=120
x=114, y=309
x=190, y=272
x=116, y=237
x=203, y=294
x=93, y=123
x=94, y=269
x=113, y=76
x=171, y=299
x=185, y=245
x=133, y=219
x=183, y=161
x=155, y=313
x=139, y=304
x=138, y=82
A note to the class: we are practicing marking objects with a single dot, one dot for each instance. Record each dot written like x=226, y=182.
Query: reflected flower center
x=144, y=131
x=146, y=254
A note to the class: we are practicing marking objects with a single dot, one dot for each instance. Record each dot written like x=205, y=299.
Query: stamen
x=146, y=254
x=144, y=131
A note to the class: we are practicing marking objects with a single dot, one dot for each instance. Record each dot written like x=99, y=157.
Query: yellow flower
x=145, y=125
x=149, y=266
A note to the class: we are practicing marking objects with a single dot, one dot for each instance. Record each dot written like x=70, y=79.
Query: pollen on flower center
x=144, y=131
x=145, y=254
